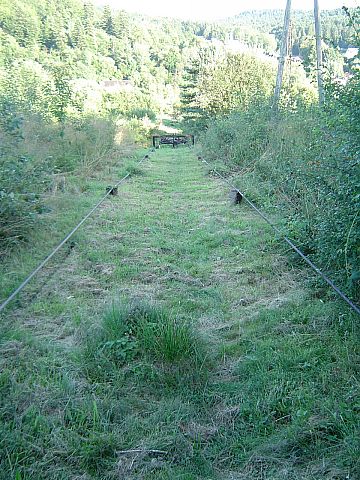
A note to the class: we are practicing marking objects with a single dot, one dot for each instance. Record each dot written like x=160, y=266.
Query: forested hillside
x=337, y=35
x=335, y=26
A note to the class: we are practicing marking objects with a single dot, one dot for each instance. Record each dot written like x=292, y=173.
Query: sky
x=212, y=9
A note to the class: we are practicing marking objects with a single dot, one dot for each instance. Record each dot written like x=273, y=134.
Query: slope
x=175, y=340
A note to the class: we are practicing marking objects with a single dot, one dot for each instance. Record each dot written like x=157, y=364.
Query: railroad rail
x=110, y=190
x=296, y=249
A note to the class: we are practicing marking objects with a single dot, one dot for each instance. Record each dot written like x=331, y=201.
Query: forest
x=82, y=91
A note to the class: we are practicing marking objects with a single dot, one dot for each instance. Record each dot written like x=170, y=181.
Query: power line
x=68, y=236
x=287, y=240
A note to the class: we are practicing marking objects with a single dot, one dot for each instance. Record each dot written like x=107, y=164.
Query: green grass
x=175, y=324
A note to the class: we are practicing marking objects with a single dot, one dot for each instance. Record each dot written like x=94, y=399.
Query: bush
x=21, y=183
x=240, y=138
x=143, y=113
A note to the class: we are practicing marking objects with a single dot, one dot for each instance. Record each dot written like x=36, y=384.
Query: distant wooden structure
x=173, y=139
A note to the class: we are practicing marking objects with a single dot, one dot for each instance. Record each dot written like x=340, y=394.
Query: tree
x=235, y=83
x=53, y=33
x=107, y=21
x=20, y=21
x=191, y=85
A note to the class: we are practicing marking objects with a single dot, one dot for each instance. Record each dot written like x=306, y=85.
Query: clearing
x=177, y=339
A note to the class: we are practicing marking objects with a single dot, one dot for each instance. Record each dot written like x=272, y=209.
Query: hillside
x=335, y=27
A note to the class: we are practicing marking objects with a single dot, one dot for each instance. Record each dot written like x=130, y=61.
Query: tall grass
x=303, y=166
x=41, y=158
x=130, y=331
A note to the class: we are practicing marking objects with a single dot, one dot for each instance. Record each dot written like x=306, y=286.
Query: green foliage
x=218, y=84
x=9, y=49
x=241, y=137
x=253, y=28
x=190, y=105
x=21, y=185
x=310, y=162
x=235, y=83
x=32, y=152
x=336, y=30
x=10, y=119
x=143, y=113
x=107, y=22
x=61, y=93
x=23, y=87
x=130, y=105
x=20, y=21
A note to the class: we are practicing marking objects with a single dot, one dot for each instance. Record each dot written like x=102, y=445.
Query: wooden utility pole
x=319, y=60
x=283, y=54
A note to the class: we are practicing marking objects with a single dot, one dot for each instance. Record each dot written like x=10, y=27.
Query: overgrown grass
x=41, y=159
x=216, y=362
x=303, y=164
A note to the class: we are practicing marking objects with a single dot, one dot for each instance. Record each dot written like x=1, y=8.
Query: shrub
x=21, y=184
x=142, y=113
x=240, y=138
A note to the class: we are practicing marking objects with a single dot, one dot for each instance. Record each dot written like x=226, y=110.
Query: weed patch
x=144, y=333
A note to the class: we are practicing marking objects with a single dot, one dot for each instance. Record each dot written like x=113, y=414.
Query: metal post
x=319, y=59
x=283, y=54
